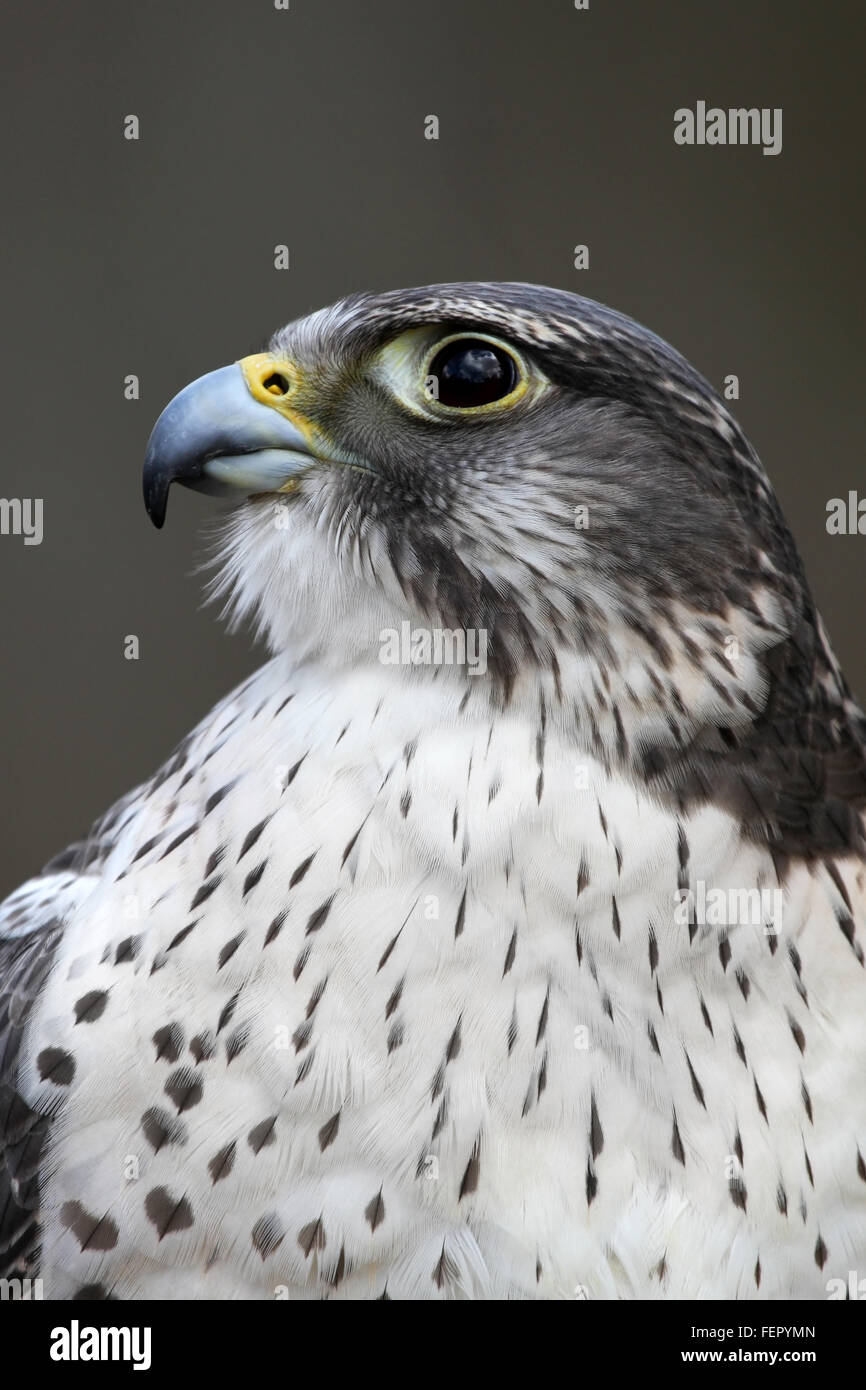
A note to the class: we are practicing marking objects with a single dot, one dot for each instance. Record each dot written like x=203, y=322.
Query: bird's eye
x=470, y=372
x=454, y=376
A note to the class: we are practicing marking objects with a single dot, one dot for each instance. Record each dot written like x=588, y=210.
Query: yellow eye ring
x=465, y=382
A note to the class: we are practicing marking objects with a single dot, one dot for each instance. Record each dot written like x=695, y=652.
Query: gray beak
x=217, y=438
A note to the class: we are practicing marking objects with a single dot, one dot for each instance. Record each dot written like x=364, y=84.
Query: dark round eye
x=470, y=372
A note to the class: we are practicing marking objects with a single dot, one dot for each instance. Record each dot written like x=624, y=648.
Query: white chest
x=410, y=1009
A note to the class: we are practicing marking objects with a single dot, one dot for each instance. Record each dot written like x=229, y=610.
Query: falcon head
x=522, y=463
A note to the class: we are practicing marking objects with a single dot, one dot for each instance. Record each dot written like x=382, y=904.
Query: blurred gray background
x=305, y=127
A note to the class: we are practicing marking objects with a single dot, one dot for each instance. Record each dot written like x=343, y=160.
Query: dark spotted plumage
x=24, y=963
x=168, y=1041
x=397, y=980
x=168, y=1213
x=220, y=1166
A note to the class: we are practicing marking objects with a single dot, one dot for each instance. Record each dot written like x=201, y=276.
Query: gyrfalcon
x=502, y=937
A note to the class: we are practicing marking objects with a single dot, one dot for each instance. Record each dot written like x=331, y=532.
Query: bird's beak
x=228, y=432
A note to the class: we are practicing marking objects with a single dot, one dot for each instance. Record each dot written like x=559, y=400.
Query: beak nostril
x=276, y=384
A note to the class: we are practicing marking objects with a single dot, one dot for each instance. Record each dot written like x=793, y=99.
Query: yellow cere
x=274, y=381
x=269, y=378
